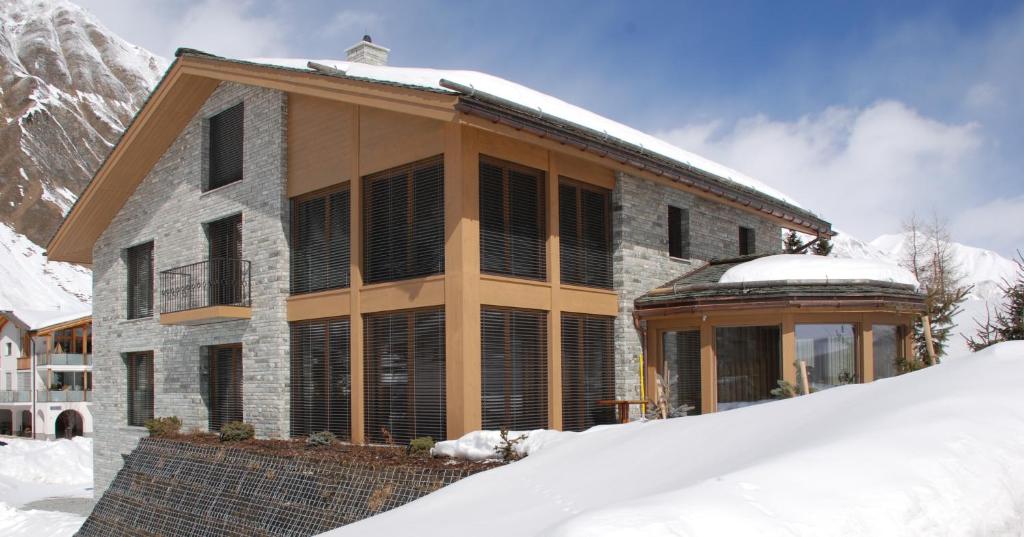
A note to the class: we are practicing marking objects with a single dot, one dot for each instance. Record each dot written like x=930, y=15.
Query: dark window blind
x=514, y=369
x=512, y=224
x=403, y=222
x=225, y=255
x=747, y=241
x=140, y=387
x=227, y=135
x=140, y=281
x=321, y=388
x=682, y=371
x=584, y=220
x=225, y=385
x=320, y=242
x=588, y=371
x=404, y=375
x=678, y=232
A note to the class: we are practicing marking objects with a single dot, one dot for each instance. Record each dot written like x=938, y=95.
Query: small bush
x=320, y=439
x=163, y=427
x=236, y=431
x=506, y=450
x=421, y=446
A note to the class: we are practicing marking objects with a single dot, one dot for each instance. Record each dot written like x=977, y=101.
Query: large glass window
x=887, y=350
x=321, y=386
x=140, y=387
x=512, y=227
x=320, y=242
x=404, y=372
x=588, y=371
x=748, y=359
x=403, y=222
x=585, y=234
x=830, y=351
x=682, y=372
x=514, y=369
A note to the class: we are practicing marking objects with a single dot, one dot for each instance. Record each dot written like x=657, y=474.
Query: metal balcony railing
x=217, y=282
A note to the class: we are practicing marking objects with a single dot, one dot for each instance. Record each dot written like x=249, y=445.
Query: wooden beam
x=356, y=342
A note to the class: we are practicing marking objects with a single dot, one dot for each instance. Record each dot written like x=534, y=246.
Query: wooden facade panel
x=389, y=139
x=512, y=293
x=590, y=301
x=333, y=303
x=406, y=294
x=512, y=150
x=320, y=143
x=583, y=170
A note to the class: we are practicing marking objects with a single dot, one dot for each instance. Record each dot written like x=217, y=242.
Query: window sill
x=221, y=188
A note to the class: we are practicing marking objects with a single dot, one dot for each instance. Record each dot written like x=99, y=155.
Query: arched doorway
x=26, y=423
x=6, y=421
x=69, y=425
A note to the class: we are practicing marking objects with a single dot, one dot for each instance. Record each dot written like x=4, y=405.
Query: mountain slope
x=68, y=88
x=31, y=283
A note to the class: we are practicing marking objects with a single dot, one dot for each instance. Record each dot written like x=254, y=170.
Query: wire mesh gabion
x=183, y=489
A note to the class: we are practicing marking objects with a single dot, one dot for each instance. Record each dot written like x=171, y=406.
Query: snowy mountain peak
x=31, y=283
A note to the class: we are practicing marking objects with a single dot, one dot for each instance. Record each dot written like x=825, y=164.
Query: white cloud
x=864, y=169
x=999, y=223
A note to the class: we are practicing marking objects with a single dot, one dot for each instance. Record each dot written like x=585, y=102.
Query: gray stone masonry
x=170, y=208
x=640, y=253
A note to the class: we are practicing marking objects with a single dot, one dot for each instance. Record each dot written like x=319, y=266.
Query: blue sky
x=865, y=112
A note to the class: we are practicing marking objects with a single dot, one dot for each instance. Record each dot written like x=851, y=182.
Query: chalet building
x=46, y=372
x=388, y=253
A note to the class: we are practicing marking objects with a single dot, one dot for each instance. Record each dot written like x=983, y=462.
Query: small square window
x=678, y=232
x=747, y=241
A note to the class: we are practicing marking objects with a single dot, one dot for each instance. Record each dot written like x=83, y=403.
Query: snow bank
x=63, y=462
x=936, y=452
x=15, y=523
x=529, y=98
x=815, y=267
x=481, y=445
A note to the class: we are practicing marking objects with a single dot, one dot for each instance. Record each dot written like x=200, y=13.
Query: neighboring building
x=385, y=253
x=45, y=371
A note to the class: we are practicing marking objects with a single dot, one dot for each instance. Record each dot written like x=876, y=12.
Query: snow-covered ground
x=33, y=470
x=936, y=452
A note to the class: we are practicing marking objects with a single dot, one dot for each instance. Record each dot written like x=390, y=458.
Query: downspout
x=32, y=370
x=641, y=328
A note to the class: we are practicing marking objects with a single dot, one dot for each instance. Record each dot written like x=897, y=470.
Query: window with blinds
x=403, y=222
x=225, y=385
x=588, y=371
x=585, y=234
x=514, y=369
x=404, y=376
x=321, y=383
x=320, y=242
x=227, y=135
x=140, y=387
x=682, y=371
x=678, y=232
x=747, y=241
x=140, y=280
x=512, y=224
x=225, y=253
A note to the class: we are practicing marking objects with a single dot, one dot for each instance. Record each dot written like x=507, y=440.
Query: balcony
x=212, y=291
x=62, y=396
x=62, y=359
x=20, y=396
x=24, y=363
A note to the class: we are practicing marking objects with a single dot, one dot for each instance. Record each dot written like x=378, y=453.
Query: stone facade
x=170, y=208
x=641, y=259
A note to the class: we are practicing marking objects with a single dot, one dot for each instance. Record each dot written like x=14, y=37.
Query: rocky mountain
x=68, y=88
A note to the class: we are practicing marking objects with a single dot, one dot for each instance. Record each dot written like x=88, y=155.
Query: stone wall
x=640, y=253
x=178, y=488
x=170, y=208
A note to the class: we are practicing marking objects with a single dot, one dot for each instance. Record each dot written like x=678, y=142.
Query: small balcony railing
x=216, y=282
x=12, y=396
x=62, y=396
x=62, y=359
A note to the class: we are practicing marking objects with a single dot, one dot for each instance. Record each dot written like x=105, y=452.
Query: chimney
x=367, y=52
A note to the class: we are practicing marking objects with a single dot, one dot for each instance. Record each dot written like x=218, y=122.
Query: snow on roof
x=787, y=267
x=37, y=319
x=524, y=96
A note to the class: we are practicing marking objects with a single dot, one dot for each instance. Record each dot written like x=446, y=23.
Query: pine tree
x=823, y=247
x=793, y=243
x=1009, y=316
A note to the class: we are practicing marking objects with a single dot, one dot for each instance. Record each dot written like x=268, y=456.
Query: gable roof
x=434, y=93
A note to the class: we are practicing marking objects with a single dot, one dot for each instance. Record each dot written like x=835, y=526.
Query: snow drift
x=814, y=267
x=936, y=452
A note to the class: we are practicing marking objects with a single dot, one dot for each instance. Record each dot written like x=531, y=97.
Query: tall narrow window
x=514, y=369
x=321, y=382
x=225, y=251
x=747, y=241
x=584, y=228
x=140, y=281
x=140, y=387
x=227, y=135
x=682, y=371
x=678, y=232
x=320, y=242
x=512, y=223
x=225, y=394
x=887, y=350
x=404, y=375
x=403, y=222
x=588, y=371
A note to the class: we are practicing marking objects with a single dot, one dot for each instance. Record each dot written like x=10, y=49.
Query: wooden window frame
x=506, y=234
x=346, y=265
x=586, y=276
x=211, y=182
x=136, y=303
x=536, y=412
x=340, y=425
x=132, y=387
